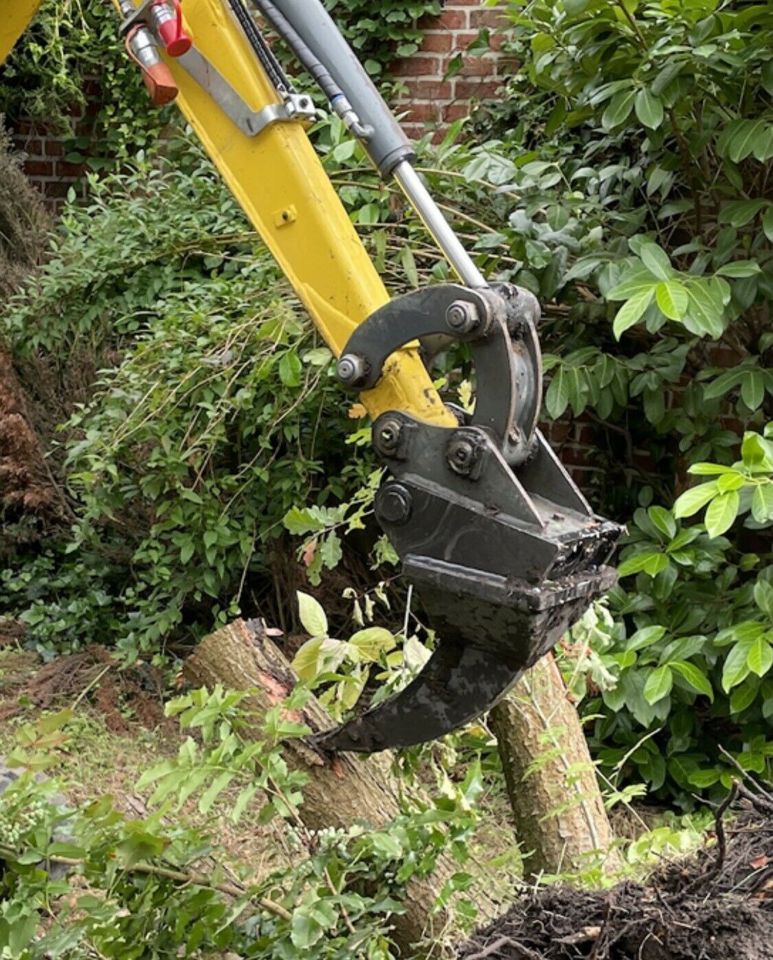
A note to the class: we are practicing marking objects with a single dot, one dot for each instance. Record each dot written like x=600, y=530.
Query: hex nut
x=393, y=504
x=462, y=317
x=351, y=370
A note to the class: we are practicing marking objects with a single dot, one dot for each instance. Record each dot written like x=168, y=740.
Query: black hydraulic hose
x=306, y=56
x=262, y=50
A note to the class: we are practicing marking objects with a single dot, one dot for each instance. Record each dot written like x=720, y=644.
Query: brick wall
x=429, y=99
x=433, y=99
x=45, y=164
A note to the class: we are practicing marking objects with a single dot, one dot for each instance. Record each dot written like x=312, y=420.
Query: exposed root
x=715, y=905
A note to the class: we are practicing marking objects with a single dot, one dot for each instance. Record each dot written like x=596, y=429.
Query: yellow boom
x=281, y=185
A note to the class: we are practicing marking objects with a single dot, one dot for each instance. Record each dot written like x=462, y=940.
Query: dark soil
x=123, y=696
x=716, y=905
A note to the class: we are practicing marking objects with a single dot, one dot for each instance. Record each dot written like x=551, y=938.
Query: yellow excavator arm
x=13, y=22
x=503, y=548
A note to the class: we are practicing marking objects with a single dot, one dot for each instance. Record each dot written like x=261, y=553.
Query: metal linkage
x=144, y=20
x=500, y=326
x=251, y=122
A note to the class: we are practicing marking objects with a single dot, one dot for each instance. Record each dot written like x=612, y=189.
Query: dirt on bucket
x=714, y=905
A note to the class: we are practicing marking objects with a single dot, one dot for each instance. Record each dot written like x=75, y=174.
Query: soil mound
x=715, y=905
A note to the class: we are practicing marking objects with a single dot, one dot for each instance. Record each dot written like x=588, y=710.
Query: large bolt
x=463, y=454
x=462, y=317
x=351, y=370
x=393, y=504
x=387, y=436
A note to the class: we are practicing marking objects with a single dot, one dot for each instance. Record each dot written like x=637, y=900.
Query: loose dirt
x=122, y=696
x=715, y=905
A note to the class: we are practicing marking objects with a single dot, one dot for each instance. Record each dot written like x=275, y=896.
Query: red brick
x=414, y=131
x=39, y=168
x=30, y=146
x=478, y=67
x=454, y=111
x=420, y=67
x=428, y=90
x=463, y=38
x=488, y=18
x=453, y=19
x=55, y=188
x=424, y=111
x=54, y=148
x=72, y=170
x=438, y=42
x=470, y=89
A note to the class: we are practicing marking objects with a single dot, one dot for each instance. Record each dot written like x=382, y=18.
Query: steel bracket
x=294, y=106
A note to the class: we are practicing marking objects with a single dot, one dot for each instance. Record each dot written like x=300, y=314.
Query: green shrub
x=380, y=37
x=215, y=411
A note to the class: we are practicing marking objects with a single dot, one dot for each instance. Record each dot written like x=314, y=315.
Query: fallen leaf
x=309, y=552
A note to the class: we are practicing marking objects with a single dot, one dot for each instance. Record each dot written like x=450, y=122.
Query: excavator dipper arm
x=503, y=549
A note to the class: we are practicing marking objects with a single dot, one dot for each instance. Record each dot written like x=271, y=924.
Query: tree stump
x=341, y=790
x=560, y=818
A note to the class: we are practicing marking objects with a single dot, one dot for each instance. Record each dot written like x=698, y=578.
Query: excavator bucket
x=489, y=632
x=504, y=551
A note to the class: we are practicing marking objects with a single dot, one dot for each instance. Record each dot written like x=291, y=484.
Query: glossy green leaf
x=762, y=503
x=736, y=667
x=739, y=212
x=760, y=656
x=372, y=642
x=705, y=310
x=619, y=110
x=663, y=521
x=721, y=513
x=753, y=389
x=633, y=282
x=311, y=615
x=645, y=637
x=672, y=299
x=740, y=268
x=694, y=499
x=557, y=395
x=767, y=222
x=631, y=312
x=656, y=261
x=693, y=677
x=763, y=597
x=659, y=684
x=649, y=109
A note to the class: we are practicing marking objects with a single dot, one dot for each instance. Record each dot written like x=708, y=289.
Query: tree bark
x=560, y=818
x=341, y=790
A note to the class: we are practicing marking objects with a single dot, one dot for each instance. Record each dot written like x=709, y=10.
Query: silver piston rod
x=432, y=216
x=312, y=34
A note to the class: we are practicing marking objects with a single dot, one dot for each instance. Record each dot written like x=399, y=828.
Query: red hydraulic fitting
x=158, y=77
x=167, y=19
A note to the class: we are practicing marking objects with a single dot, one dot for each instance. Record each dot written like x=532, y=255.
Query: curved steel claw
x=492, y=630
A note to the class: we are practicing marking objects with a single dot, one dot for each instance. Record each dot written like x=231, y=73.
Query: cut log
x=560, y=819
x=341, y=791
